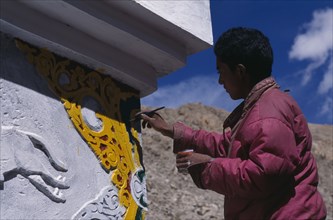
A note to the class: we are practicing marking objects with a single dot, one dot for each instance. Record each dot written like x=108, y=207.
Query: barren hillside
x=174, y=196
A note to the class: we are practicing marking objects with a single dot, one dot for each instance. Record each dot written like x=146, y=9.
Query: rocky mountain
x=173, y=196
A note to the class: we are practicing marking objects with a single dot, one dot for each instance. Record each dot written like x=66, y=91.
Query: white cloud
x=326, y=109
x=316, y=42
x=315, y=45
x=308, y=71
x=204, y=89
x=327, y=83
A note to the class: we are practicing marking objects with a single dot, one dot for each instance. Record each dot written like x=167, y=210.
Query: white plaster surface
x=28, y=107
x=105, y=206
x=134, y=41
x=192, y=16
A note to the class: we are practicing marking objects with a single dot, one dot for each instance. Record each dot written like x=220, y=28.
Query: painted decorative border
x=100, y=109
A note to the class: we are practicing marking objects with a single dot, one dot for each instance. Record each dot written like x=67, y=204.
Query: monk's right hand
x=156, y=122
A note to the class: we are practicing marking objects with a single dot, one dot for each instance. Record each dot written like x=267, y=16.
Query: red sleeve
x=271, y=164
x=200, y=141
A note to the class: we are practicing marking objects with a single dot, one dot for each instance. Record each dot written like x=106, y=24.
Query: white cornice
x=128, y=41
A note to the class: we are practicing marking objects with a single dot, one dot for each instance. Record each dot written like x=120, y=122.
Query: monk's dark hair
x=246, y=46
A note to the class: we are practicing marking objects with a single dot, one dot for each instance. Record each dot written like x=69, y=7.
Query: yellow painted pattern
x=111, y=143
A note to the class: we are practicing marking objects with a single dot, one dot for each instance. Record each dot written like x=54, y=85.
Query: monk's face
x=232, y=80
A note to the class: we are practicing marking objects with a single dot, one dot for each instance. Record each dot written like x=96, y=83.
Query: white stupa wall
x=72, y=75
x=193, y=17
x=66, y=139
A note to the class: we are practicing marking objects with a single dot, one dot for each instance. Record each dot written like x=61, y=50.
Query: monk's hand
x=185, y=160
x=156, y=122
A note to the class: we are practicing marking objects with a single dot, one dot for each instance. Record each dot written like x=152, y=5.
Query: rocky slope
x=174, y=196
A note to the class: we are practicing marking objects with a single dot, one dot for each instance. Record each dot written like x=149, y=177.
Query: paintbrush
x=148, y=113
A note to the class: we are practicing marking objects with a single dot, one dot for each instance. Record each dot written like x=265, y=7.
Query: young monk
x=262, y=162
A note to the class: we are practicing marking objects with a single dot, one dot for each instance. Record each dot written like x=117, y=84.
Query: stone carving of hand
x=22, y=153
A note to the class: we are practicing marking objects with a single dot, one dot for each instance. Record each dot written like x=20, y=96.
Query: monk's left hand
x=185, y=160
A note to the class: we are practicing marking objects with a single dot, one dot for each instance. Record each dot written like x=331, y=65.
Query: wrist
x=168, y=131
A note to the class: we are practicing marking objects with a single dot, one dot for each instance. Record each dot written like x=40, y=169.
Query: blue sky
x=301, y=34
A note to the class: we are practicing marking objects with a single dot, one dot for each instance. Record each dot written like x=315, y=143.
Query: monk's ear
x=241, y=71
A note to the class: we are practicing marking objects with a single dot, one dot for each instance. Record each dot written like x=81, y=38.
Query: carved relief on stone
x=104, y=206
x=138, y=187
x=19, y=156
x=100, y=109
